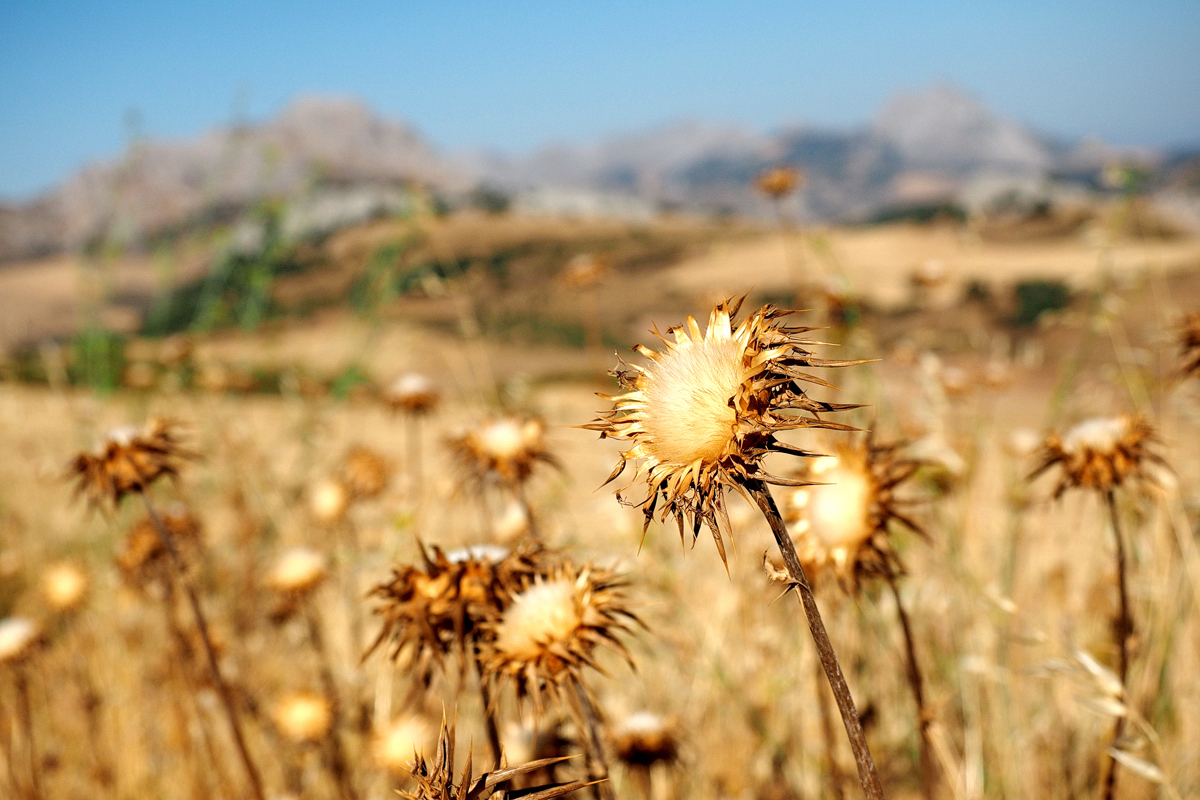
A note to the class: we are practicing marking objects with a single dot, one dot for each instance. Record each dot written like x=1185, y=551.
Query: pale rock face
x=542, y=614
x=688, y=413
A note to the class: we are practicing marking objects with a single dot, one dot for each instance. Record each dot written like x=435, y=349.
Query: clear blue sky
x=512, y=75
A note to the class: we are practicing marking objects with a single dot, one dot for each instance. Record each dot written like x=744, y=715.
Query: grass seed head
x=704, y=413
x=412, y=393
x=129, y=460
x=1101, y=453
x=19, y=637
x=64, y=586
x=303, y=716
x=503, y=450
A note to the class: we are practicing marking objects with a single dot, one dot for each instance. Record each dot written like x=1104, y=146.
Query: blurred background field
x=264, y=283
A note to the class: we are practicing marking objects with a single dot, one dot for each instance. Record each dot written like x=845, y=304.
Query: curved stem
x=835, y=772
x=867, y=775
x=1122, y=630
x=202, y=625
x=915, y=681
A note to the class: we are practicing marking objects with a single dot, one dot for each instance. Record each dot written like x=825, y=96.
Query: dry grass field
x=1012, y=594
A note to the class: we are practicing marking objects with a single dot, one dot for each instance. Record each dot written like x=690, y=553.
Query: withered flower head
x=778, y=182
x=503, y=449
x=395, y=746
x=303, y=716
x=435, y=780
x=843, y=524
x=129, y=460
x=142, y=558
x=298, y=571
x=413, y=393
x=553, y=628
x=1101, y=453
x=705, y=412
x=584, y=270
x=644, y=739
x=328, y=501
x=1189, y=344
x=64, y=585
x=18, y=638
x=436, y=608
x=365, y=473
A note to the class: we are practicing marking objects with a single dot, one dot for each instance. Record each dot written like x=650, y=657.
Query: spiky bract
x=1101, y=454
x=503, y=450
x=129, y=460
x=436, y=608
x=1189, y=344
x=705, y=412
x=843, y=524
x=553, y=628
x=435, y=778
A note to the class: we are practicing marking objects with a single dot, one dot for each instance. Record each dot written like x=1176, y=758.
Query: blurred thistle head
x=142, y=559
x=129, y=460
x=19, y=637
x=584, y=270
x=365, y=473
x=412, y=393
x=395, y=745
x=436, y=608
x=704, y=413
x=435, y=779
x=328, y=501
x=644, y=739
x=553, y=628
x=64, y=586
x=1189, y=345
x=1101, y=453
x=303, y=716
x=502, y=449
x=841, y=522
x=779, y=182
x=298, y=571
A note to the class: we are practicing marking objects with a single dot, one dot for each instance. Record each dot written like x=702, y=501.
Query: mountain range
x=921, y=147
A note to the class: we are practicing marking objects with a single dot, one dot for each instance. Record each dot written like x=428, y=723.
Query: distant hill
x=922, y=147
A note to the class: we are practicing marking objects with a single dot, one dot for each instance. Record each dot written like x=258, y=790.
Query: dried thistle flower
x=552, y=628
x=779, y=182
x=303, y=716
x=644, y=739
x=1189, y=344
x=18, y=639
x=395, y=746
x=705, y=412
x=298, y=571
x=328, y=501
x=436, y=608
x=1101, y=454
x=435, y=779
x=502, y=450
x=365, y=473
x=64, y=586
x=129, y=460
x=142, y=558
x=843, y=525
x=584, y=270
x=412, y=393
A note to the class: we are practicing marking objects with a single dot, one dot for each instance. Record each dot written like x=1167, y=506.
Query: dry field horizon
x=1012, y=594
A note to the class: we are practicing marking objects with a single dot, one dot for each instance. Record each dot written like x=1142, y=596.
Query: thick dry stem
x=213, y=667
x=26, y=712
x=337, y=757
x=913, y=672
x=836, y=779
x=597, y=758
x=1122, y=630
x=867, y=776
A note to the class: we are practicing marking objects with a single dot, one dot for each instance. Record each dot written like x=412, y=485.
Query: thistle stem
x=26, y=713
x=835, y=772
x=489, y=714
x=202, y=625
x=596, y=756
x=867, y=776
x=913, y=672
x=1122, y=630
x=337, y=757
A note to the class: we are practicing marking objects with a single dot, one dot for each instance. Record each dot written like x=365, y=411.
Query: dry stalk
x=836, y=779
x=202, y=626
x=867, y=775
x=25, y=712
x=588, y=719
x=338, y=765
x=1122, y=630
x=915, y=681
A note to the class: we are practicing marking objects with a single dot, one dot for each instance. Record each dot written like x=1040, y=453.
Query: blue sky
x=513, y=75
